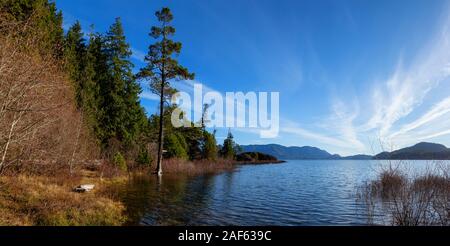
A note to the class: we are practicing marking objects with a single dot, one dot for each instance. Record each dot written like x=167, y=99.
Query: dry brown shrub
x=196, y=167
x=408, y=200
x=39, y=122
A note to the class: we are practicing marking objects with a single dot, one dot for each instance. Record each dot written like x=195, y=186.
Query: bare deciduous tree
x=39, y=122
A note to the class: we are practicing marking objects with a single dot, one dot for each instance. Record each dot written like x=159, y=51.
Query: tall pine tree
x=122, y=115
x=98, y=62
x=74, y=52
x=90, y=94
x=162, y=68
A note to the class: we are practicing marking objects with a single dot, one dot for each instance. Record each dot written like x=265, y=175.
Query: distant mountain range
x=420, y=151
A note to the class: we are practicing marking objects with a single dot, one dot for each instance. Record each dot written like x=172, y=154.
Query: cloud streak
x=395, y=100
x=407, y=89
x=149, y=96
x=437, y=111
x=137, y=55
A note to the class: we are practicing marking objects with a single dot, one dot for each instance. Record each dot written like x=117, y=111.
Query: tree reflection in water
x=166, y=200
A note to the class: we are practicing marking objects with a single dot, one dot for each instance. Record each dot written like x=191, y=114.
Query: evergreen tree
x=122, y=115
x=87, y=68
x=45, y=19
x=143, y=158
x=74, y=52
x=19, y=10
x=90, y=93
x=162, y=68
x=97, y=60
x=136, y=118
x=210, y=146
x=194, y=138
x=53, y=23
x=176, y=146
x=229, y=148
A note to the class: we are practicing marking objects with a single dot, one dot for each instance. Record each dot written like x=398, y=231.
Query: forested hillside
x=70, y=97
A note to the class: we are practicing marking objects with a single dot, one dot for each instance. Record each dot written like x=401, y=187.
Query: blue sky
x=353, y=76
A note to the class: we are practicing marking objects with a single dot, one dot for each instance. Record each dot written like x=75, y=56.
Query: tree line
x=105, y=90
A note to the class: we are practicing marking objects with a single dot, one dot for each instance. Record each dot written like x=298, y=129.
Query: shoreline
x=259, y=162
x=24, y=197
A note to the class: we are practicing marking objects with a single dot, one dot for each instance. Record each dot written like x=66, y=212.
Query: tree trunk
x=161, y=106
x=8, y=141
x=161, y=131
x=76, y=145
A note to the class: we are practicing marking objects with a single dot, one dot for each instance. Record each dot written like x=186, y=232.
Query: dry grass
x=197, y=167
x=409, y=200
x=31, y=200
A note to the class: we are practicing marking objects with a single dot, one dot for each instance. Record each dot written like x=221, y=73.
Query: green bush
x=119, y=161
x=174, y=146
x=210, y=147
x=144, y=158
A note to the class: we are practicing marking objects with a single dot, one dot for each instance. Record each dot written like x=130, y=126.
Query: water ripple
x=294, y=193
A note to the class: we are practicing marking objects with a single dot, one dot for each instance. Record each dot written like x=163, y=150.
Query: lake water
x=297, y=192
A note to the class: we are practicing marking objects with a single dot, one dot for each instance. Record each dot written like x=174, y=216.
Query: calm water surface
x=293, y=193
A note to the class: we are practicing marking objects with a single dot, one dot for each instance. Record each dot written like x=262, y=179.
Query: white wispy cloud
x=137, y=54
x=394, y=100
x=295, y=129
x=437, y=111
x=311, y=135
x=437, y=134
x=149, y=96
x=342, y=122
x=407, y=88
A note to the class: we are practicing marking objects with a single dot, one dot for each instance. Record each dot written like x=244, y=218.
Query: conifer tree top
x=161, y=64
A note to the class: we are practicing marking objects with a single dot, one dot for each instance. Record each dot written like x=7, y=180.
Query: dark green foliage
x=113, y=89
x=229, y=148
x=74, y=53
x=43, y=16
x=208, y=143
x=120, y=162
x=194, y=140
x=89, y=93
x=84, y=64
x=123, y=116
x=93, y=101
x=200, y=144
x=210, y=147
x=175, y=146
x=144, y=158
x=20, y=10
x=105, y=88
x=161, y=66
